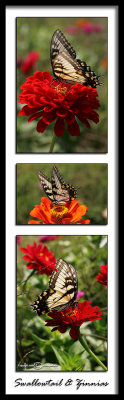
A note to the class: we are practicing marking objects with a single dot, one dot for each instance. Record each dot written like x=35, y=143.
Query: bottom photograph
x=61, y=315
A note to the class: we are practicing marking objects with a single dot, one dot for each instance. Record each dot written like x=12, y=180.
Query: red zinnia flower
x=90, y=28
x=39, y=258
x=87, y=27
x=71, y=29
x=49, y=213
x=28, y=62
x=73, y=317
x=98, y=28
x=102, y=276
x=47, y=238
x=18, y=238
x=49, y=100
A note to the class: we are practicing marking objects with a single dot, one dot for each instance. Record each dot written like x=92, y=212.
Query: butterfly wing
x=62, y=292
x=46, y=185
x=61, y=196
x=65, y=286
x=63, y=59
x=66, y=66
x=59, y=44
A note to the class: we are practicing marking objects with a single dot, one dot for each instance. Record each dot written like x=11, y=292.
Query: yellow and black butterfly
x=56, y=189
x=62, y=291
x=65, y=65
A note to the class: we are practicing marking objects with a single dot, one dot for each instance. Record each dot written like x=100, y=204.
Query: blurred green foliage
x=53, y=350
x=90, y=178
x=34, y=34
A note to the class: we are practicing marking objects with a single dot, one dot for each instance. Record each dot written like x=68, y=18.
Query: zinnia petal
x=33, y=222
x=74, y=129
x=74, y=332
x=59, y=127
x=41, y=126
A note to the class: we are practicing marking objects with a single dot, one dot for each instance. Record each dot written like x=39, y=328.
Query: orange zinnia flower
x=104, y=63
x=49, y=213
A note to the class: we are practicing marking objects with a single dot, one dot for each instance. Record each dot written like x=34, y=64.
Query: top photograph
x=61, y=85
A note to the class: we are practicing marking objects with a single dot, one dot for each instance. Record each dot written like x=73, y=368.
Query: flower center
x=59, y=89
x=71, y=313
x=59, y=211
x=46, y=258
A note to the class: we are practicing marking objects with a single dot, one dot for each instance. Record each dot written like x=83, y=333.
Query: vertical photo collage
x=61, y=279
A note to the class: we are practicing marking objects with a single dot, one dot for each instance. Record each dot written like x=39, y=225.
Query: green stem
x=52, y=143
x=25, y=282
x=86, y=347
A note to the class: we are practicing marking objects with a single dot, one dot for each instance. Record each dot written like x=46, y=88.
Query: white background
x=12, y=230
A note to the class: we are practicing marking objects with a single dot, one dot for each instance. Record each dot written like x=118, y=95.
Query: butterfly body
x=65, y=65
x=56, y=189
x=62, y=291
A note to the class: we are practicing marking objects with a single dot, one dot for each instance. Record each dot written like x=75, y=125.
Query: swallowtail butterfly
x=62, y=291
x=66, y=66
x=56, y=189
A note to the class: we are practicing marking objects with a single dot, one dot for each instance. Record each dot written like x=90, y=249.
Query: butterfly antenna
x=79, y=187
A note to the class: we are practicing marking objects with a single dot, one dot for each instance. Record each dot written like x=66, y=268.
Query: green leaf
x=40, y=342
x=67, y=361
x=27, y=343
x=59, y=355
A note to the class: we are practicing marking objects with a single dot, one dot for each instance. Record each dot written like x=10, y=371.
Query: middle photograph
x=68, y=194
